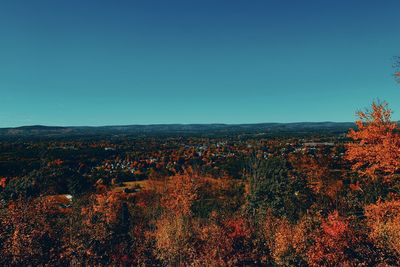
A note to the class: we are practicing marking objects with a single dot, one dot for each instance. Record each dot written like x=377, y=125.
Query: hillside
x=177, y=129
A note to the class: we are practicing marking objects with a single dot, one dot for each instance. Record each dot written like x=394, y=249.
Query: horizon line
x=166, y=124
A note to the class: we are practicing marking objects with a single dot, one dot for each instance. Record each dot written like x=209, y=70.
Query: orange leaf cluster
x=180, y=195
x=376, y=147
x=237, y=228
x=383, y=219
x=3, y=181
x=107, y=205
x=331, y=242
x=29, y=231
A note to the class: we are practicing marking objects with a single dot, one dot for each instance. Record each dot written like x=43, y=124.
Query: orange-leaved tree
x=332, y=243
x=383, y=220
x=375, y=150
x=322, y=177
x=29, y=235
x=175, y=236
x=98, y=231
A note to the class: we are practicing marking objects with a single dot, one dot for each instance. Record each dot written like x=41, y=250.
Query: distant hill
x=41, y=131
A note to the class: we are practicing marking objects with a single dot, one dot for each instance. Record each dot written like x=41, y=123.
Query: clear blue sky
x=98, y=62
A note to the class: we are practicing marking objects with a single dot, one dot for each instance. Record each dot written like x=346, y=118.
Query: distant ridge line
x=39, y=126
x=214, y=129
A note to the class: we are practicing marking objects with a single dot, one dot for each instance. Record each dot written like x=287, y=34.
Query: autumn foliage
x=309, y=207
x=3, y=182
x=383, y=220
x=28, y=234
x=376, y=146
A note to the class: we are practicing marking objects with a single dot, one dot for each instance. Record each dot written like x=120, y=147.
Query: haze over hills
x=186, y=129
